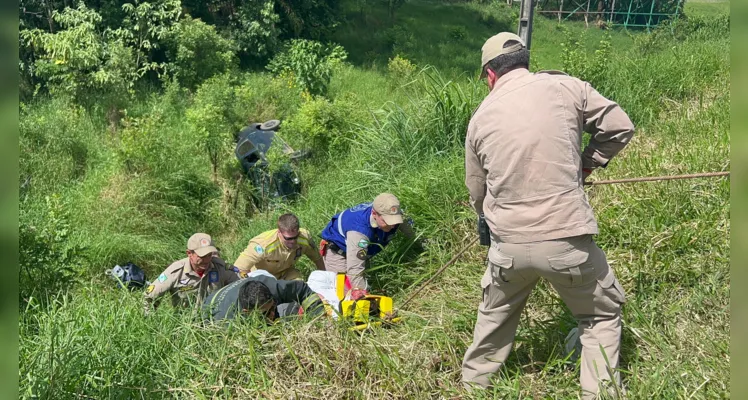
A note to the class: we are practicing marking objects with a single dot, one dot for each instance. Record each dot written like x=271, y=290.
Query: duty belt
x=335, y=249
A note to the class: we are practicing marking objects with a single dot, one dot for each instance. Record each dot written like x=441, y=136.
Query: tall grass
x=668, y=242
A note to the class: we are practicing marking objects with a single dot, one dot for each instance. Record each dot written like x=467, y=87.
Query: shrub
x=255, y=28
x=400, y=68
x=577, y=63
x=48, y=262
x=197, y=52
x=212, y=120
x=323, y=125
x=310, y=62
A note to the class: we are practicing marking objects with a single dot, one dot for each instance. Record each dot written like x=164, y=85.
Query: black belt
x=335, y=249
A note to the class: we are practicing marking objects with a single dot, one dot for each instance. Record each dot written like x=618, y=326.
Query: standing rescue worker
x=191, y=279
x=525, y=170
x=355, y=235
x=277, y=250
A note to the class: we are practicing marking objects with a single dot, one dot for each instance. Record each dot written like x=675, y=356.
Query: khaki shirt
x=186, y=286
x=265, y=251
x=524, y=158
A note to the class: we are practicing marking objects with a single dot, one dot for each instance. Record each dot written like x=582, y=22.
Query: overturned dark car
x=252, y=144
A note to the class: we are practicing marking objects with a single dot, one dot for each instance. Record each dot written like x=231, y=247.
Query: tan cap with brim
x=201, y=244
x=494, y=47
x=388, y=206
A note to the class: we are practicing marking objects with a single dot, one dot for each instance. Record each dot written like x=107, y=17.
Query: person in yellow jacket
x=277, y=250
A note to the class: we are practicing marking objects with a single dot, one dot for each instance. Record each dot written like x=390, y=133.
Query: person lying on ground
x=261, y=292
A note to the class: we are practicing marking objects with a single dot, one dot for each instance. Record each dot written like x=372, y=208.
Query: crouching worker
x=278, y=250
x=189, y=280
x=262, y=292
x=355, y=235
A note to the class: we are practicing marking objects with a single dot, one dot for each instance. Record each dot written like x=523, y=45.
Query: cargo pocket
x=612, y=288
x=485, y=283
x=572, y=266
x=502, y=267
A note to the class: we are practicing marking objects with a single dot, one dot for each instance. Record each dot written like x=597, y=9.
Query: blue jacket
x=357, y=219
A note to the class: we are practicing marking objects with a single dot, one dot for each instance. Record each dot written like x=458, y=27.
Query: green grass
x=668, y=242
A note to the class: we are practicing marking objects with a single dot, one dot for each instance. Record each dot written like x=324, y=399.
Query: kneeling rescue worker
x=355, y=235
x=193, y=278
x=277, y=250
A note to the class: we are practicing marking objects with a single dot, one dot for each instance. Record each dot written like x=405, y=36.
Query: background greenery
x=127, y=120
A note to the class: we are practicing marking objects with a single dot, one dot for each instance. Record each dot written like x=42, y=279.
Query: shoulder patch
x=259, y=249
x=162, y=278
x=361, y=254
x=363, y=243
x=150, y=289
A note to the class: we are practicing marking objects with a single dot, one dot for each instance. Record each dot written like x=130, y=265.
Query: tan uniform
x=524, y=171
x=186, y=286
x=523, y=154
x=265, y=251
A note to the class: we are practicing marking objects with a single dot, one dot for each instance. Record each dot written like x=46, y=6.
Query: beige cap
x=202, y=244
x=388, y=206
x=494, y=47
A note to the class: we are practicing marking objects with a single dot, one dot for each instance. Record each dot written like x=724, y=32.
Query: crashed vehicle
x=252, y=144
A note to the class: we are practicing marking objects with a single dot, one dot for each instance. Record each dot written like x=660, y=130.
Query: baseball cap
x=202, y=244
x=494, y=47
x=388, y=206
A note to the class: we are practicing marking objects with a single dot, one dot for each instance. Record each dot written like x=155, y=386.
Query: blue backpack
x=128, y=276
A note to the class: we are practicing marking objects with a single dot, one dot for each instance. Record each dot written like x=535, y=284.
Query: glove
x=357, y=293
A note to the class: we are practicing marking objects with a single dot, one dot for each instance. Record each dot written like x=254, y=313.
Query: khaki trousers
x=578, y=271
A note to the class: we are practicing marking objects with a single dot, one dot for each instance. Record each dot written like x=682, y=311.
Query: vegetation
x=127, y=149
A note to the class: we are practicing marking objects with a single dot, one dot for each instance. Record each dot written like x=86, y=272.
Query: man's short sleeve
x=251, y=256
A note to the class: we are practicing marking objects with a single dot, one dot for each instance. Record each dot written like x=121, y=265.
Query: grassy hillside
x=93, y=196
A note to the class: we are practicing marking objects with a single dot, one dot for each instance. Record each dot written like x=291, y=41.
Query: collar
x=509, y=76
x=188, y=268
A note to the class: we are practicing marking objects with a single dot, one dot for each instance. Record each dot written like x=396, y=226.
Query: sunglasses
x=290, y=238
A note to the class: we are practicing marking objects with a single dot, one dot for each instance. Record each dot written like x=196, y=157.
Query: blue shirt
x=357, y=219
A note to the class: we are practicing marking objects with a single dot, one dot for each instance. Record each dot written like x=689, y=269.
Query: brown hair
x=288, y=223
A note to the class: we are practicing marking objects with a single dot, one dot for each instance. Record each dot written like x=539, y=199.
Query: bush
x=323, y=125
x=577, y=63
x=400, y=69
x=310, y=62
x=197, y=52
x=212, y=120
x=458, y=33
x=255, y=28
x=48, y=262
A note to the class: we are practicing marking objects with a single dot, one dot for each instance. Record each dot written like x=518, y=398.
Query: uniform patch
x=150, y=289
x=162, y=278
x=394, y=209
x=259, y=249
x=213, y=277
x=185, y=282
x=361, y=254
x=363, y=243
x=204, y=242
